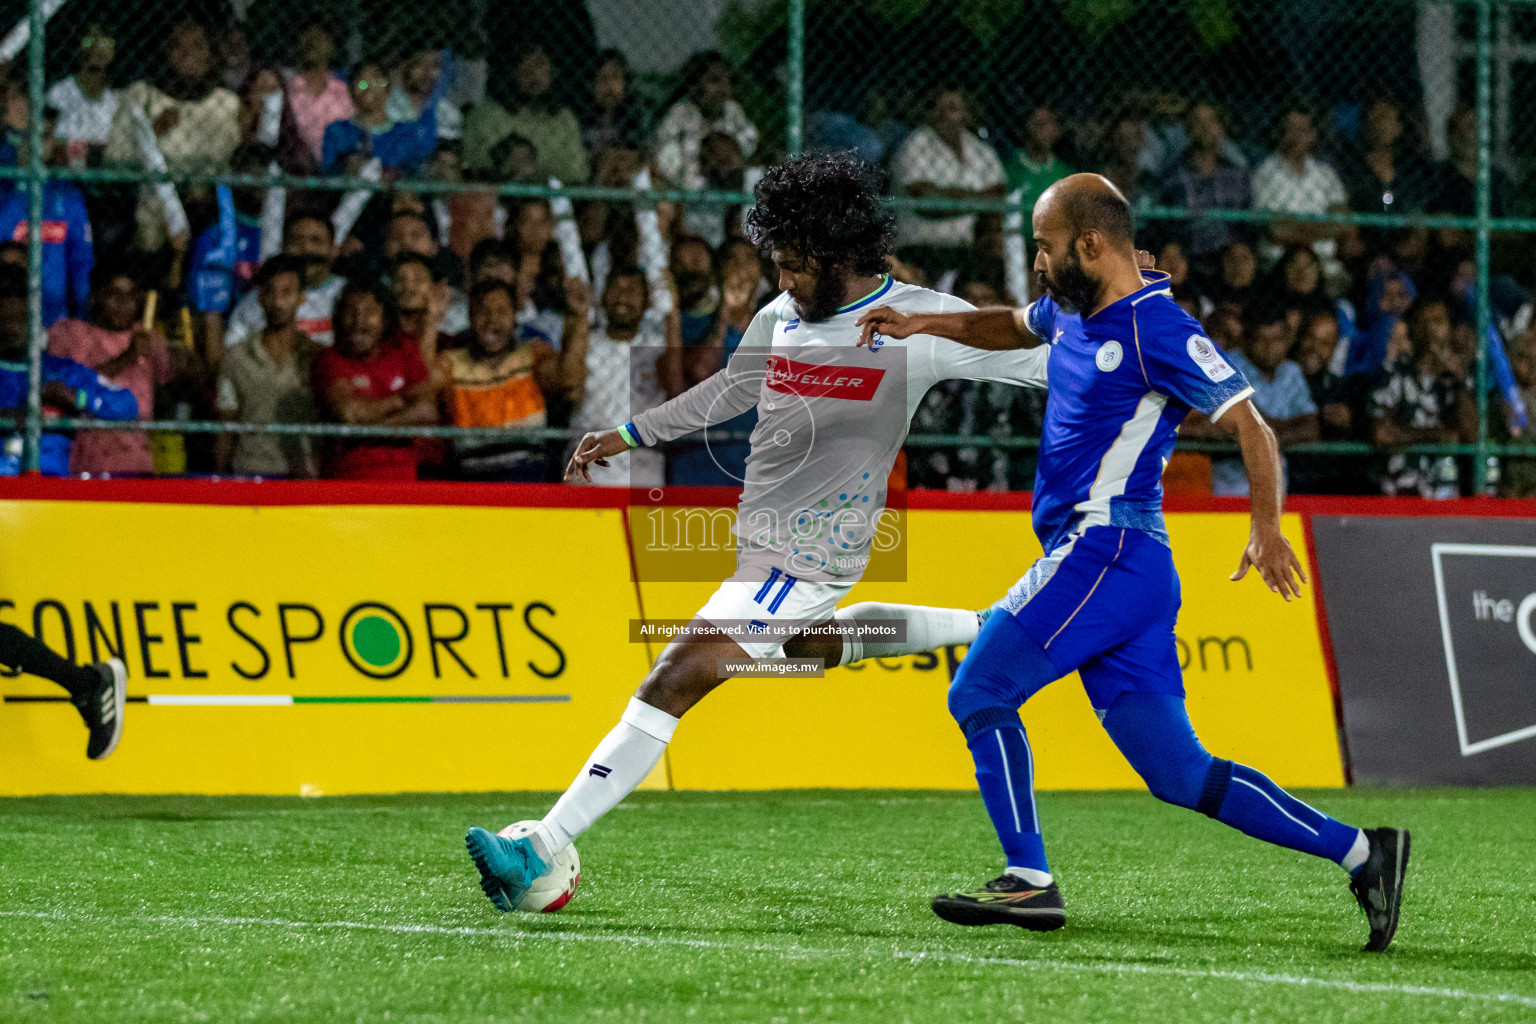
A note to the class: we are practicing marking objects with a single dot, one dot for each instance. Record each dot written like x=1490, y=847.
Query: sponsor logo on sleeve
x=1209, y=358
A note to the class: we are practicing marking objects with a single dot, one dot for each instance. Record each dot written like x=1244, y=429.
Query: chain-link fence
x=475, y=204
x=1307, y=173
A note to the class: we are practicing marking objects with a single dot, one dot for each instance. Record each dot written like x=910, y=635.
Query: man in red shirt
x=373, y=374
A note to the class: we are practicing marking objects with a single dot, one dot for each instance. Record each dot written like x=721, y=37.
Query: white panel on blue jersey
x=1037, y=577
x=1120, y=460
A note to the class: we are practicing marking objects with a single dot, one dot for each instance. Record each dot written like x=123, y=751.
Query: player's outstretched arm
x=1268, y=551
x=730, y=392
x=994, y=329
x=594, y=447
x=999, y=328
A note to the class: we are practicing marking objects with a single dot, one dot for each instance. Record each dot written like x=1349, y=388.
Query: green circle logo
x=376, y=640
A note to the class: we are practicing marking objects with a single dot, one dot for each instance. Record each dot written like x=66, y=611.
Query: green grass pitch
x=805, y=906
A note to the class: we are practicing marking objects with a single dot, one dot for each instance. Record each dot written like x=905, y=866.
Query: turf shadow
x=1139, y=934
x=178, y=817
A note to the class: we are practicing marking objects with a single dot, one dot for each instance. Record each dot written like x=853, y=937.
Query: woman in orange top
x=501, y=379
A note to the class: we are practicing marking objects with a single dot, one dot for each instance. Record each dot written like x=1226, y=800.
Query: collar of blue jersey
x=1156, y=280
x=885, y=286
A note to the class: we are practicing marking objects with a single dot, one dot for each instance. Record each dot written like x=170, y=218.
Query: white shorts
x=780, y=600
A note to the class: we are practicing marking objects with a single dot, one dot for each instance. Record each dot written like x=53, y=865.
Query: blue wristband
x=630, y=435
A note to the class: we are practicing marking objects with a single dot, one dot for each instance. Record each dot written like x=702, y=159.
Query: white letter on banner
x=1523, y=621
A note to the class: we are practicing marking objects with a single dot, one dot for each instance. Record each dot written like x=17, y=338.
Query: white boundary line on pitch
x=1242, y=977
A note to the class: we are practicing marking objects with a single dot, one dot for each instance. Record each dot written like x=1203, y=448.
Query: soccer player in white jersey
x=832, y=416
x=1126, y=366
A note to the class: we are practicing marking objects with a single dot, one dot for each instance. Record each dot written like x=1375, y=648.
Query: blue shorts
x=1103, y=604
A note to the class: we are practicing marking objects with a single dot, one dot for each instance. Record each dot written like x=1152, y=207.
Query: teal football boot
x=508, y=867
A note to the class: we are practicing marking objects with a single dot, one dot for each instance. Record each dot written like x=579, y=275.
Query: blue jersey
x=224, y=259
x=68, y=254
x=1121, y=382
x=405, y=146
x=94, y=397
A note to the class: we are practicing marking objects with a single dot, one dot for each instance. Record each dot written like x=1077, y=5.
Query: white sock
x=928, y=629
x=619, y=764
x=1358, y=854
x=1039, y=879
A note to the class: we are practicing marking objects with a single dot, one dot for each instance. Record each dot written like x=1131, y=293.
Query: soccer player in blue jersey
x=1126, y=365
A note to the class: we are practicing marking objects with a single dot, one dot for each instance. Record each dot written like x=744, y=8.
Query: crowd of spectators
x=390, y=307
x=400, y=307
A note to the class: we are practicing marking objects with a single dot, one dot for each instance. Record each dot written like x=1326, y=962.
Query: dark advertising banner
x=1433, y=622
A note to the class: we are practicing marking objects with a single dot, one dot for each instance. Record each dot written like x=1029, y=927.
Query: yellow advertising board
x=320, y=649
x=384, y=648
x=1253, y=668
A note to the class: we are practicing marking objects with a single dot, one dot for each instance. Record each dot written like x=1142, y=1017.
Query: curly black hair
x=826, y=208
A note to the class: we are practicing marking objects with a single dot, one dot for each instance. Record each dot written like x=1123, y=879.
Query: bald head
x=1087, y=202
x=1083, y=248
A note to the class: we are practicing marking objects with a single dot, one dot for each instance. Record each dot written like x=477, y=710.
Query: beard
x=826, y=296
x=629, y=320
x=1070, y=286
x=692, y=287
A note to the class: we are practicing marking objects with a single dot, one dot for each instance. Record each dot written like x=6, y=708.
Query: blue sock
x=1255, y=806
x=1152, y=730
x=1005, y=771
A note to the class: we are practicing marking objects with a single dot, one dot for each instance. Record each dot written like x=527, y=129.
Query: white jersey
x=832, y=417
x=621, y=384
x=314, y=316
x=82, y=119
